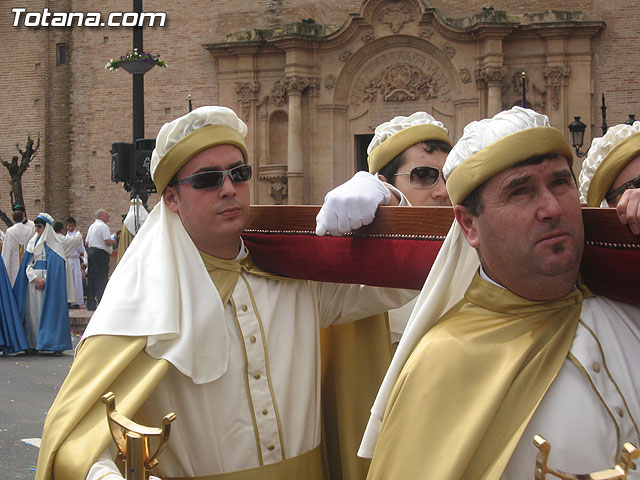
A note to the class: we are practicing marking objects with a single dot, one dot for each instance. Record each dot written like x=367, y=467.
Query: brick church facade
x=310, y=79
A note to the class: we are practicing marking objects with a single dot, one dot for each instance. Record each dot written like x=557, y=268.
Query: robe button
x=257, y=376
x=252, y=339
x=271, y=447
x=265, y=411
x=620, y=412
x=633, y=466
x=244, y=308
x=596, y=367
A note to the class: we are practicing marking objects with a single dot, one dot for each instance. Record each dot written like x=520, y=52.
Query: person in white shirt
x=16, y=239
x=190, y=324
x=99, y=247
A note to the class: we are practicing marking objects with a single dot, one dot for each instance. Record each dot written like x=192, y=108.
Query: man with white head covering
x=610, y=175
x=136, y=216
x=528, y=350
x=407, y=154
x=41, y=290
x=190, y=324
x=16, y=239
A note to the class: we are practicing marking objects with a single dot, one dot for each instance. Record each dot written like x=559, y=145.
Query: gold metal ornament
x=132, y=440
x=619, y=472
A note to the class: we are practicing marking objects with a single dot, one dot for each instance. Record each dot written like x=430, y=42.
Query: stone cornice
x=488, y=23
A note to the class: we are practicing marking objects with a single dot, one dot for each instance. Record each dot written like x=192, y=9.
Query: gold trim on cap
x=194, y=143
x=399, y=142
x=501, y=155
x=610, y=167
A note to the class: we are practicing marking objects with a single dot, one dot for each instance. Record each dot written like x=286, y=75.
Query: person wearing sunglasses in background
x=190, y=324
x=405, y=158
x=610, y=175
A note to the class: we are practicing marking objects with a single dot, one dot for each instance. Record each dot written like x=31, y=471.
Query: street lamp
x=631, y=119
x=577, y=129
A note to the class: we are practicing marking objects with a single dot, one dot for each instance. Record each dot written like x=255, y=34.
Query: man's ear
x=468, y=223
x=171, y=199
x=382, y=178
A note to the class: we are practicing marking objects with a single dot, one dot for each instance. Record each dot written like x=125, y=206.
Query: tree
x=16, y=168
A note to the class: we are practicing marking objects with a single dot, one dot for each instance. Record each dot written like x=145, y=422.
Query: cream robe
x=593, y=406
x=17, y=236
x=570, y=414
x=266, y=407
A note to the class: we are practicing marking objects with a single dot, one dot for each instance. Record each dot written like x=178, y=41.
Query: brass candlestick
x=619, y=472
x=132, y=440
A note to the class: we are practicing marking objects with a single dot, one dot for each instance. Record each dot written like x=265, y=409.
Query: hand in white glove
x=351, y=205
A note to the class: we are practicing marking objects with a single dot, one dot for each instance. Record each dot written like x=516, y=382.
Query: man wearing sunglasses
x=610, y=175
x=405, y=158
x=189, y=324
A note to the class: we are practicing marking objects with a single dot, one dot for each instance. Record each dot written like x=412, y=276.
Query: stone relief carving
x=449, y=50
x=279, y=93
x=493, y=75
x=296, y=84
x=399, y=77
x=344, y=55
x=555, y=80
x=426, y=33
x=276, y=175
x=396, y=16
x=465, y=75
x=246, y=94
x=367, y=37
x=330, y=82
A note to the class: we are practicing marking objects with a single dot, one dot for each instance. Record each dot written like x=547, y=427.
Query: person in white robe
x=189, y=324
x=76, y=259
x=610, y=175
x=16, y=239
x=406, y=155
x=462, y=424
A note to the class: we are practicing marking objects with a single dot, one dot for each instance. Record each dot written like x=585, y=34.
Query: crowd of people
x=504, y=343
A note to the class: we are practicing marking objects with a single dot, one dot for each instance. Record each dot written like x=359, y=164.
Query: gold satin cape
x=469, y=389
x=76, y=432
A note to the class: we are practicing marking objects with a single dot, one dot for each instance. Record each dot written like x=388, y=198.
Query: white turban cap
x=183, y=138
x=387, y=144
x=489, y=146
x=600, y=149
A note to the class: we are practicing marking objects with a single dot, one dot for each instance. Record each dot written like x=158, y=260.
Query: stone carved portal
x=400, y=77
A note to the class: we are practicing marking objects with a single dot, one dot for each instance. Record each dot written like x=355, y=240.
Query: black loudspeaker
x=122, y=162
x=144, y=149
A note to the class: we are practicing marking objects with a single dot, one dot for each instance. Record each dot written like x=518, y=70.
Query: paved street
x=28, y=386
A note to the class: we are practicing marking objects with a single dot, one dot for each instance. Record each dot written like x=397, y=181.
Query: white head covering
x=36, y=243
x=161, y=288
x=600, y=148
x=386, y=144
x=136, y=216
x=455, y=264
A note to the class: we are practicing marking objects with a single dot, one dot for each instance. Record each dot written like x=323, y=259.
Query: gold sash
x=308, y=466
x=472, y=384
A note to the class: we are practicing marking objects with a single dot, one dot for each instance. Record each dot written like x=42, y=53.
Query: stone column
x=493, y=77
x=295, y=166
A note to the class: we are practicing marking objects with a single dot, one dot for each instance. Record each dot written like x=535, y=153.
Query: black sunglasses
x=215, y=178
x=422, y=177
x=633, y=183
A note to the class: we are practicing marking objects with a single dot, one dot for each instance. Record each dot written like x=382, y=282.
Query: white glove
x=351, y=205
